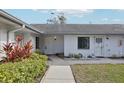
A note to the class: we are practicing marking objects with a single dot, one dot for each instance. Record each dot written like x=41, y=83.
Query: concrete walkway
x=58, y=74
x=54, y=60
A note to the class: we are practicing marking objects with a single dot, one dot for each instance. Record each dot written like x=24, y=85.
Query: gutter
x=15, y=20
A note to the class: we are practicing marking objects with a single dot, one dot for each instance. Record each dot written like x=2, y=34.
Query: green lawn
x=103, y=73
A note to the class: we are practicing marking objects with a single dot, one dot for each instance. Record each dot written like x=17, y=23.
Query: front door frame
x=99, y=46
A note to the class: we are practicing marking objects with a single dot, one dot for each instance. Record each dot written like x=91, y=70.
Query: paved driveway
x=54, y=60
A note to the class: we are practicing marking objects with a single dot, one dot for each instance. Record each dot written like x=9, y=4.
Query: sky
x=82, y=16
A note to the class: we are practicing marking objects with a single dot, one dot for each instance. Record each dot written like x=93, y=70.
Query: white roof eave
x=18, y=21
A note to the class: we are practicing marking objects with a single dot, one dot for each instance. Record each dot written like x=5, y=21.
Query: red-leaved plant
x=19, y=38
x=16, y=52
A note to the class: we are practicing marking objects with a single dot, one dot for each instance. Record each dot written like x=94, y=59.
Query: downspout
x=23, y=26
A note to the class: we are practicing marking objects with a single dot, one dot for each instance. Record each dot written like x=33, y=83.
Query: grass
x=99, y=73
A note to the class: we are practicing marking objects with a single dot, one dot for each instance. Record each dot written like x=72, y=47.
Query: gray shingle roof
x=81, y=28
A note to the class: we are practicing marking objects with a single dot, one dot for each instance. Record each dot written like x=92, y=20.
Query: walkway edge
x=73, y=74
x=44, y=75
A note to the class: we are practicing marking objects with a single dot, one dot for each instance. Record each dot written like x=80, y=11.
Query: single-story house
x=10, y=27
x=99, y=40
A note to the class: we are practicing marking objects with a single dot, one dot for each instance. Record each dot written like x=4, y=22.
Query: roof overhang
x=17, y=21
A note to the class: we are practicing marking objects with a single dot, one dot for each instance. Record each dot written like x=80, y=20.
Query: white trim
x=18, y=21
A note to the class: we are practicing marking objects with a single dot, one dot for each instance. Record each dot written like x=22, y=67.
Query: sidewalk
x=58, y=74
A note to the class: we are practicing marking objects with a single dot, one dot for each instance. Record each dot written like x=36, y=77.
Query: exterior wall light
x=107, y=38
x=54, y=37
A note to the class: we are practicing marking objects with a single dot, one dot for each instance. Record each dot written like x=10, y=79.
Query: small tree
x=62, y=19
x=59, y=19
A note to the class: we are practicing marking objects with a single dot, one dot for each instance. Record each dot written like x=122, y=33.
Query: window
x=98, y=40
x=83, y=43
x=37, y=42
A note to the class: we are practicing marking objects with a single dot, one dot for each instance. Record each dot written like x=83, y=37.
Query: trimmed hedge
x=27, y=70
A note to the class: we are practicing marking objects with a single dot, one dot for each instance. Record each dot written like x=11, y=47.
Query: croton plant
x=15, y=52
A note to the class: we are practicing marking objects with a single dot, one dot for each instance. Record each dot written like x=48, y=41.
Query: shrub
x=76, y=56
x=114, y=55
x=27, y=70
x=38, y=51
x=15, y=51
x=89, y=56
x=71, y=55
x=80, y=55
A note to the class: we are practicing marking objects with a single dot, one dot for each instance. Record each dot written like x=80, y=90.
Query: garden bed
x=29, y=70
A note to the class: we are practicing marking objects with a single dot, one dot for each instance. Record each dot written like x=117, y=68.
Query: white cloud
x=70, y=12
x=119, y=10
x=74, y=11
x=40, y=10
x=116, y=20
x=105, y=19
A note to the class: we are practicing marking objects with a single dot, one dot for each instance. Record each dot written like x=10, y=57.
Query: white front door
x=99, y=46
x=121, y=46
